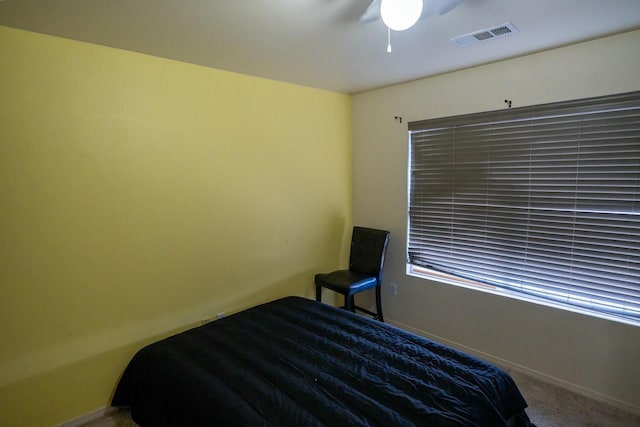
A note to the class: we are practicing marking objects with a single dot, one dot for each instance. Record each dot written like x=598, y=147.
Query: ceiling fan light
x=400, y=15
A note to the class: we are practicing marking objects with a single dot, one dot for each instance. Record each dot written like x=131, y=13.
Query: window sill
x=443, y=278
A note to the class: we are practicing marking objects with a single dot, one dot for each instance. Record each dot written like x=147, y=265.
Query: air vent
x=484, y=35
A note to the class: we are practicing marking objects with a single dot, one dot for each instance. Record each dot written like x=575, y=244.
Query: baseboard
x=620, y=404
x=90, y=417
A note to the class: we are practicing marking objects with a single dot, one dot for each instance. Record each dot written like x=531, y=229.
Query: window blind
x=540, y=200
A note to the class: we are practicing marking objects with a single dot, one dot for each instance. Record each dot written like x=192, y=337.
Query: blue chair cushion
x=346, y=281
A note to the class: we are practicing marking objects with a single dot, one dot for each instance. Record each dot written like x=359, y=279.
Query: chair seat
x=346, y=281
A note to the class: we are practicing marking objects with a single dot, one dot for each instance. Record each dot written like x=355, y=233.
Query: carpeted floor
x=549, y=406
x=552, y=406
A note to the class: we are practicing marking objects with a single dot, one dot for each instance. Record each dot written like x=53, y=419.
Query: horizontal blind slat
x=543, y=200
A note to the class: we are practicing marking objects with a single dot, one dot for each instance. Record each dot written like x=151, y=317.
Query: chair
x=366, y=260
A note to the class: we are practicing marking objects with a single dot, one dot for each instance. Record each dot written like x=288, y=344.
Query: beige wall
x=139, y=195
x=594, y=356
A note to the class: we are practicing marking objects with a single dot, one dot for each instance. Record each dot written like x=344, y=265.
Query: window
x=541, y=201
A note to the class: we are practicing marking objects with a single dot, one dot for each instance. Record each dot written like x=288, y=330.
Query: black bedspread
x=296, y=362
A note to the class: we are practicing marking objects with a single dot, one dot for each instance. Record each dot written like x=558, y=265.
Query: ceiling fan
x=430, y=8
x=399, y=15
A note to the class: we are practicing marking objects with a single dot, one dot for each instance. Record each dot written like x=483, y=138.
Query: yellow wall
x=139, y=195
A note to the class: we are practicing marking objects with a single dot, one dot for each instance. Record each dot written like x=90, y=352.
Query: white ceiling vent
x=484, y=35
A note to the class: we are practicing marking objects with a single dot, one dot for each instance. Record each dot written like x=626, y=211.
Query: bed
x=297, y=362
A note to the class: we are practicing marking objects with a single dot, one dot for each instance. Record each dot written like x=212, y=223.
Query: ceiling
x=320, y=43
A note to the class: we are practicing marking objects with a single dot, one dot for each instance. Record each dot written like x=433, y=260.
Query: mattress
x=297, y=362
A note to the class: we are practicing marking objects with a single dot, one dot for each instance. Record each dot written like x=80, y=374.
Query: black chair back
x=368, y=248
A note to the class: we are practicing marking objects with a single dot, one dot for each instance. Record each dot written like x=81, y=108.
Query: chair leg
x=348, y=303
x=318, y=293
x=379, y=304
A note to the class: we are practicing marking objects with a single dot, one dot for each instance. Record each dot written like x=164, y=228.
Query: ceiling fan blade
x=372, y=13
x=439, y=7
